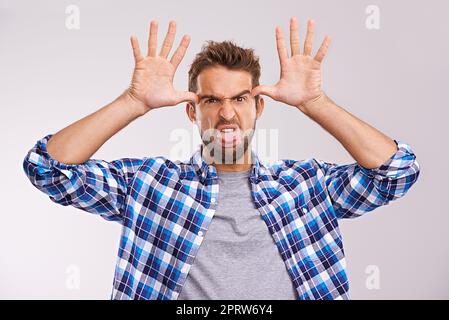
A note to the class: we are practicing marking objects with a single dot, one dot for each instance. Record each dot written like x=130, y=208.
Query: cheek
x=208, y=119
x=247, y=118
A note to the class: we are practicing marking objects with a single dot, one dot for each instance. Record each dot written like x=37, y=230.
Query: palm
x=300, y=79
x=152, y=81
x=305, y=73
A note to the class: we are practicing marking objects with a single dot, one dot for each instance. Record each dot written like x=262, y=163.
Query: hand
x=300, y=81
x=152, y=81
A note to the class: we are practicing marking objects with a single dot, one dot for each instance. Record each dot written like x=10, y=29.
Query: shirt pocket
x=317, y=226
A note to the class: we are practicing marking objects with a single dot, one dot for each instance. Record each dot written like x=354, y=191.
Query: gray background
x=394, y=78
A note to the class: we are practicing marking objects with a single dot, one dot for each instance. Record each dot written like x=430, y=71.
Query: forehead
x=220, y=80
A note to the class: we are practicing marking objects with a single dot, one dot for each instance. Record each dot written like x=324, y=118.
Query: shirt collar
x=204, y=170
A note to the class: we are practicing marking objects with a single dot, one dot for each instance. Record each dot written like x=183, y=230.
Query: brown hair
x=226, y=54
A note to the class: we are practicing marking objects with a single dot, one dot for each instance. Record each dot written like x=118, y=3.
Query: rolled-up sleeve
x=355, y=190
x=95, y=186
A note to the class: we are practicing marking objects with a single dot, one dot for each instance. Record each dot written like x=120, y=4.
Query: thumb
x=265, y=90
x=186, y=96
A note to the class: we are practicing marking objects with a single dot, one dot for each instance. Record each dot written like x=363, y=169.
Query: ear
x=190, y=110
x=260, y=107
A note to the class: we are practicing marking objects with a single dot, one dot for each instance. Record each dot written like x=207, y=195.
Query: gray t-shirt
x=238, y=258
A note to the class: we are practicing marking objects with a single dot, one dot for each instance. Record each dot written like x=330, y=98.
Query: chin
x=230, y=154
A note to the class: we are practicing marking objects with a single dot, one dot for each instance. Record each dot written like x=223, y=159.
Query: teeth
x=227, y=130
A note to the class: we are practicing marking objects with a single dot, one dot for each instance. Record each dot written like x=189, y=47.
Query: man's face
x=226, y=113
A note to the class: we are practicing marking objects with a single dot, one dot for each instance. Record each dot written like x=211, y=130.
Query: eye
x=211, y=100
x=241, y=99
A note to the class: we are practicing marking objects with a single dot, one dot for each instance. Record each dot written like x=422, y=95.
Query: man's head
x=222, y=75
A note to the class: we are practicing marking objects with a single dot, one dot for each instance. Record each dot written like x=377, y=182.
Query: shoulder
x=290, y=168
x=159, y=162
x=160, y=165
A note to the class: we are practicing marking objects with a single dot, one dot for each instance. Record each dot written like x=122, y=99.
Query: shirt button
x=304, y=210
x=185, y=268
x=212, y=200
x=200, y=233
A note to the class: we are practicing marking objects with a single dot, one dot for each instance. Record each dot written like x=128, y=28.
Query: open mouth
x=228, y=136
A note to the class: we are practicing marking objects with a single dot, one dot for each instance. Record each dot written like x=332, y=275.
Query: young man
x=265, y=232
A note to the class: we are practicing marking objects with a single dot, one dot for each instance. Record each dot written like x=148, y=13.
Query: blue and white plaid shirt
x=166, y=208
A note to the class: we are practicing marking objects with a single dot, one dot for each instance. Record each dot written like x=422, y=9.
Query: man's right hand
x=152, y=81
x=151, y=88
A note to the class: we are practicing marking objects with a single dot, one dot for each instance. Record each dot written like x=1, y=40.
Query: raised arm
x=151, y=87
x=384, y=170
x=300, y=85
x=60, y=166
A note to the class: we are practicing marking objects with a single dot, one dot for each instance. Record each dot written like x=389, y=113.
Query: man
x=223, y=225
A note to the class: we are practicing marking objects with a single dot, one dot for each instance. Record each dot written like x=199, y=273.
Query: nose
x=227, y=110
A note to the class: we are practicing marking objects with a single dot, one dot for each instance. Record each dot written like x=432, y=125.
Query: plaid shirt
x=166, y=208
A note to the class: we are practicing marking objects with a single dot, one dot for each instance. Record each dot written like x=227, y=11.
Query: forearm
x=367, y=145
x=80, y=140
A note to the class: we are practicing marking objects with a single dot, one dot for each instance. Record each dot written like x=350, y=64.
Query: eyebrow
x=217, y=98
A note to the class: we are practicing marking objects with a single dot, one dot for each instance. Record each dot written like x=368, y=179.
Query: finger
x=282, y=52
x=168, y=41
x=309, y=38
x=179, y=53
x=136, y=49
x=186, y=96
x=294, y=36
x=323, y=49
x=152, y=39
x=265, y=90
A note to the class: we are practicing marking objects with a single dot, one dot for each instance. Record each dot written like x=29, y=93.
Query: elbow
x=393, y=188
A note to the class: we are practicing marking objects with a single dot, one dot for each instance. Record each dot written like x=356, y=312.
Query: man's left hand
x=300, y=81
